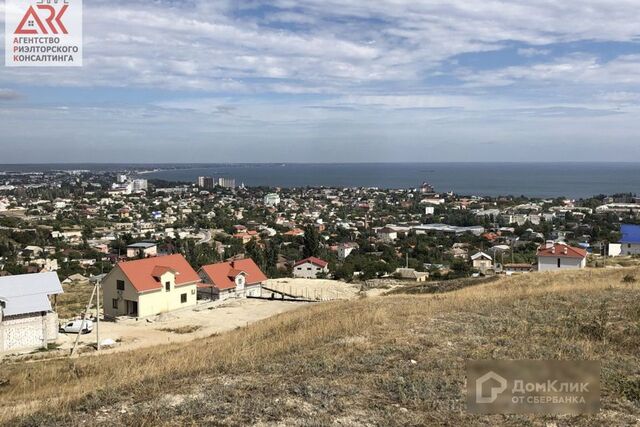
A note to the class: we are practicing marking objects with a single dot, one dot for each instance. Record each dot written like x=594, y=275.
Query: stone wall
x=28, y=332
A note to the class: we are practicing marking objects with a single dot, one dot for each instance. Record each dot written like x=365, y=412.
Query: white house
x=614, y=249
x=511, y=269
x=142, y=250
x=560, y=256
x=27, y=320
x=387, y=234
x=235, y=279
x=345, y=249
x=411, y=274
x=630, y=242
x=271, y=200
x=309, y=268
x=482, y=261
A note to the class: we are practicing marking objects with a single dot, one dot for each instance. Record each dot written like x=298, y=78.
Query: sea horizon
x=530, y=179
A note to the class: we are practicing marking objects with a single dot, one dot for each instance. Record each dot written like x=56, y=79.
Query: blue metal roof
x=630, y=233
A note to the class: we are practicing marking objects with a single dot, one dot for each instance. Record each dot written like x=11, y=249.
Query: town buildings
x=205, y=182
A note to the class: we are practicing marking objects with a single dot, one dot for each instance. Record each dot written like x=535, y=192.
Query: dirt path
x=185, y=325
x=210, y=318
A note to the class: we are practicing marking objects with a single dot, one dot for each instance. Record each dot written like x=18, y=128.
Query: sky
x=334, y=81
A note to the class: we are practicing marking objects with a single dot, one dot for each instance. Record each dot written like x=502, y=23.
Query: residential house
x=149, y=286
x=482, y=262
x=234, y=279
x=387, y=234
x=296, y=232
x=310, y=268
x=142, y=250
x=345, y=249
x=271, y=200
x=630, y=242
x=511, y=269
x=27, y=320
x=560, y=256
x=76, y=278
x=411, y=274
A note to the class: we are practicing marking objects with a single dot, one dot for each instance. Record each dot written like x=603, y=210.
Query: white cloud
x=306, y=70
x=578, y=69
x=531, y=52
x=333, y=46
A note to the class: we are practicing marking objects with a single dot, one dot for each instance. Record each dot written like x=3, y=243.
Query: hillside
x=391, y=360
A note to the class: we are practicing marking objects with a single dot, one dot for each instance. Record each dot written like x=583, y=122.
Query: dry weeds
x=352, y=362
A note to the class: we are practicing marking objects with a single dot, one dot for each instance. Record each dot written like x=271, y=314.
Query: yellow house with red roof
x=149, y=287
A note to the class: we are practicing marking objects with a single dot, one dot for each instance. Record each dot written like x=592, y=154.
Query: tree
x=256, y=254
x=311, y=242
x=271, y=254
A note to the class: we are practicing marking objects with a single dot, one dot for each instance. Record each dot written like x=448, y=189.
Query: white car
x=73, y=327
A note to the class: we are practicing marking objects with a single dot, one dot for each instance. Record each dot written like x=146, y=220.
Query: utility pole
x=98, y=314
x=98, y=284
x=84, y=320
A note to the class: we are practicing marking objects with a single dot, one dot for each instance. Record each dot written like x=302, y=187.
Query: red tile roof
x=159, y=270
x=561, y=251
x=141, y=272
x=294, y=232
x=313, y=260
x=222, y=275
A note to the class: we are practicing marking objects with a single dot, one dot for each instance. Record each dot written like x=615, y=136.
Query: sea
x=545, y=180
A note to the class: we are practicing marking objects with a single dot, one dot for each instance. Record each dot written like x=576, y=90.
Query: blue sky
x=334, y=81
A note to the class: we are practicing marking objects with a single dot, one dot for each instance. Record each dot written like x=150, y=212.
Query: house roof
x=630, y=233
x=518, y=266
x=562, y=251
x=386, y=230
x=481, y=255
x=159, y=270
x=141, y=272
x=142, y=245
x=410, y=273
x=28, y=293
x=222, y=275
x=313, y=260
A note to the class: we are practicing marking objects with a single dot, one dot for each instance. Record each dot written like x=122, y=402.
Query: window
x=167, y=286
x=120, y=285
x=114, y=303
x=559, y=261
x=183, y=298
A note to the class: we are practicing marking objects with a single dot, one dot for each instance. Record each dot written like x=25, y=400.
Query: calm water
x=529, y=179
x=533, y=180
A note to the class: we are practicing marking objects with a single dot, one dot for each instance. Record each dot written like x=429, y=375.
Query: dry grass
x=349, y=362
x=183, y=330
x=74, y=300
